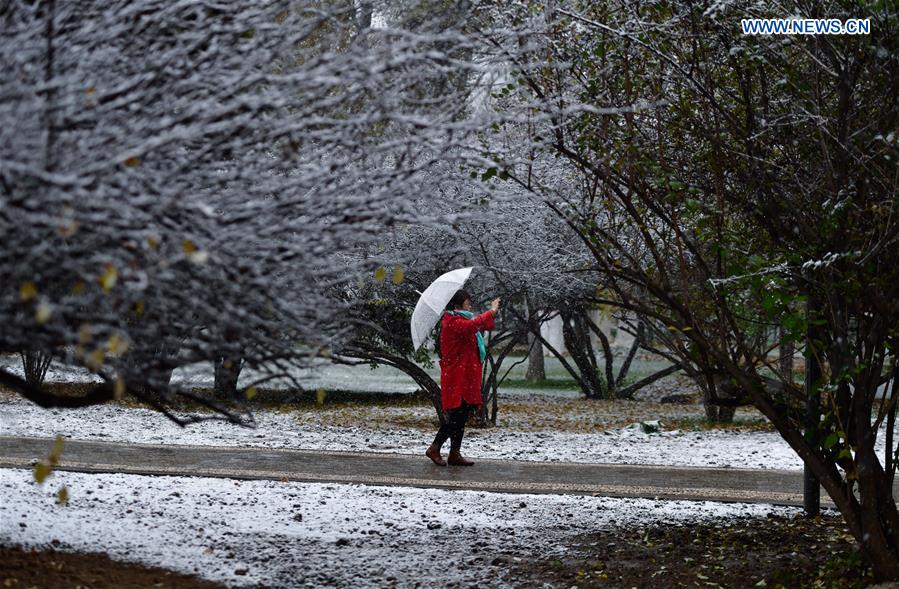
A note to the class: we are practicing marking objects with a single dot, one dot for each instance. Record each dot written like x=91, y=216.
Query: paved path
x=715, y=484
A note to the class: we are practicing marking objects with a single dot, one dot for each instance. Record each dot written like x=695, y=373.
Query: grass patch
x=550, y=383
x=695, y=424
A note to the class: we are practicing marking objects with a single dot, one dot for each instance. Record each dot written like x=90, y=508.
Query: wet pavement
x=781, y=487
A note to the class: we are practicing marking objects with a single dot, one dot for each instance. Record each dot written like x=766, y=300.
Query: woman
x=462, y=353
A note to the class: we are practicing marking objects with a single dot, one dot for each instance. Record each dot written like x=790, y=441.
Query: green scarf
x=482, y=345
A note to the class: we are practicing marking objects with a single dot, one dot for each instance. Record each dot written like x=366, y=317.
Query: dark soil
x=775, y=552
x=48, y=569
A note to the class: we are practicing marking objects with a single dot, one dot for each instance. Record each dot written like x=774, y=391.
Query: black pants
x=454, y=428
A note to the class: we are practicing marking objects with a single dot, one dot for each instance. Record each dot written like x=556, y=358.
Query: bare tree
x=182, y=182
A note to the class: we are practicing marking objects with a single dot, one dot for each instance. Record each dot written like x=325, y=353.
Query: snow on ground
x=299, y=534
x=324, y=374
x=298, y=430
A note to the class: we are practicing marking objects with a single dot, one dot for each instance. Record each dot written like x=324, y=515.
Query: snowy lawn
x=378, y=429
x=323, y=374
x=297, y=534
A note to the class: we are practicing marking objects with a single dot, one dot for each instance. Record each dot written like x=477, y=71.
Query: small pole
x=811, y=492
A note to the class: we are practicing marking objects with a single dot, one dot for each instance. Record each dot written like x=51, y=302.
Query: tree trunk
x=726, y=414
x=491, y=380
x=227, y=371
x=787, y=349
x=877, y=508
x=713, y=412
x=626, y=365
x=148, y=370
x=577, y=341
x=35, y=364
x=607, y=356
x=536, y=366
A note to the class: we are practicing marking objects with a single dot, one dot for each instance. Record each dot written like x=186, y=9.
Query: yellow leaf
x=380, y=274
x=131, y=161
x=43, y=312
x=153, y=242
x=69, y=229
x=41, y=471
x=62, y=497
x=194, y=253
x=95, y=360
x=398, y=275
x=27, y=292
x=139, y=308
x=320, y=396
x=78, y=288
x=90, y=90
x=116, y=345
x=251, y=392
x=108, y=278
x=84, y=334
x=56, y=451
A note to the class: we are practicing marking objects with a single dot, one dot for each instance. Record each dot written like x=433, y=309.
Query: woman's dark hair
x=458, y=299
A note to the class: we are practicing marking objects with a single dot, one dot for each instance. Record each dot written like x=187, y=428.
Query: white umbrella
x=432, y=303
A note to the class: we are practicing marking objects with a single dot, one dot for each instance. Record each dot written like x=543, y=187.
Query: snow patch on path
x=318, y=535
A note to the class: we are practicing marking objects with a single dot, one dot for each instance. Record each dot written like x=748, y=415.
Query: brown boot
x=455, y=458
x=433, y=452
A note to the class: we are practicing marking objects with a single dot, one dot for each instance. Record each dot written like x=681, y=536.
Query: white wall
x=552, y=331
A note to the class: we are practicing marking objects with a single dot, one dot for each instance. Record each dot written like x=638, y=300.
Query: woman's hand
x=494, y=306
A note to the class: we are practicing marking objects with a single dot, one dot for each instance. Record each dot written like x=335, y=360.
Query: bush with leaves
x=731, y=186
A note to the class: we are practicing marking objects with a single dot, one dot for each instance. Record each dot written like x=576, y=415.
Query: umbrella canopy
x=433, y=301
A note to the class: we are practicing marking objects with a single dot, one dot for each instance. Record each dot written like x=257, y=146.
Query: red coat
x=460, y=361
